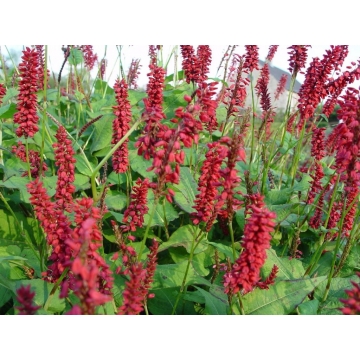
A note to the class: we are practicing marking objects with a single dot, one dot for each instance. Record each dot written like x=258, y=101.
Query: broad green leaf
x=81, y=182
x=184, y=236
x=75, y=57
x=140, y=165
x=163, y=213
x=5, y=295
x=164, y=301
x=323, y=266
x=226, y=250
x=7, y=111
x=83, y=167
x=278, y=197
x=288, y=269
x=102, y=134
x=337, y=291
x=213, y=305
x=283, y=211
x=18, y=183
x=185, y=191
x=135, y=96
x=50, y=184
x=240, y=218
x=180, y=76
x=101, y=86
x=172, y=275
x=309, y=307
x=115, y=200
x=42, y=291
x=281, y=298
x=10, y=94
x=199, y=261
x=9, y=258
x=304, y=184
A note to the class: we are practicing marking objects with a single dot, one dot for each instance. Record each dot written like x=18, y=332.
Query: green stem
x=53, y=290
x=107, y=156
x=182, y=288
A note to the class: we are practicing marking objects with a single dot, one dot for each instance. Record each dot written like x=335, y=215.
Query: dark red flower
x=89, y=57
x=191, y=64
x=298, y=57
x=2, y=92
x=352, y=303
x=208, y=105
x=281, y=86
x=25, y=297
x=272, y=51
x=41, y=56
x=133, y=73
x=64, y=159
x=134, y=214
x=251, y=58
x=26, y=115
x=204, y=59
x=245, y=273
x=121, y=125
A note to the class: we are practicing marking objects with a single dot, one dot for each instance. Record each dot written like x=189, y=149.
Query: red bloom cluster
x=313, y=90
x=137, y=288
x=245, y=274
x=2, y=92
x=208, y=184
x=133, y=73
x=230, y=178
x=335, y=87
x=103, y=65
x=281, y=86
x=153, y=130
x=352, y=304
x=26, y=116
x=272, y=51
x=34, y=159
x=56, y=227
x=204, y=59
x=298, y=56
x=121, y=126
x=88, y=268
x=89, y=57
x=64, y=159
x=40, y=51
x=25, y=297
x=261, y=88
x=138, y=206
x=190, y=64
x=251, y=58
x=208, y=106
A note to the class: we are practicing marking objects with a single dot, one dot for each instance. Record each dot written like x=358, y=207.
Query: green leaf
x=100, y=87
x=115, y=200
x=81, y=182
x=9, y=258
x=240, y=218
x=82, y=166
x=161, y=212
x=288, y=269
x=185, y=191
x=136, y=96
x=172, y=275
x=140, y=165
x=213, y=305
x=281, y=298
x=304, y=184
x=5, y=295
x=10, y=94
x=42, y=291
x=180, y=76
x=283, y=211
x=184, y=236
x=277, y=197
x=309, y=307
x=102, y=134
x=226, y=250
x=75, y=57
x=336, y=292
x=18, y=183
x=7, y=111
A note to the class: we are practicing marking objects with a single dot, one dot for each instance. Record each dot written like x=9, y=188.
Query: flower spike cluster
x=26, y=115
x=352, y=304
x=25, y=297
x=121, y=126
x=245, y=273
x=2, y=92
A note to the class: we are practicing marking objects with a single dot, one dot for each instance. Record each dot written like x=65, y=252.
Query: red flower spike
x=245, y=274
x=26, y=115
x=204, y=59
x=271, y=53
x=41, y=55
x=352, y=303
x=191, y=64
x=298, y=57
x=251, y=58
x=121, y=125
x=25, y=297
x=89, y=57
x=133, y=73
x=34, y=158
x=137, y=207
x=208, y=184
x=64, y=159
x=281, y=86
x=2, y=92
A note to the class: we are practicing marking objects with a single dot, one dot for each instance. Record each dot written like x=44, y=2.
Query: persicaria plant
x=201, y=194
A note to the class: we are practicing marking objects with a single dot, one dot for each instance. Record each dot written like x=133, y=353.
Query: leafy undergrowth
x=181, y=199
